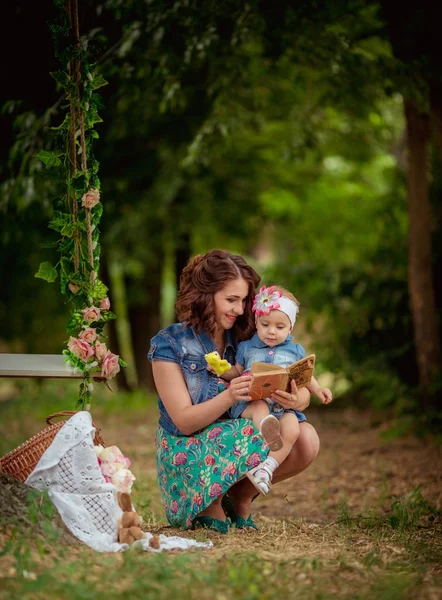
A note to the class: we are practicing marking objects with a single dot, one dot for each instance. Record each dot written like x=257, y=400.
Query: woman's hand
x=239, y=388
x=296, y=399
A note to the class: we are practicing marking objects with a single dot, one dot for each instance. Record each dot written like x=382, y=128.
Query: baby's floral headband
x=269, y=298
x=266, y=300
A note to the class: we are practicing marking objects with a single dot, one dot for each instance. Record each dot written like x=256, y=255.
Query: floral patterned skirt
x=194, y=471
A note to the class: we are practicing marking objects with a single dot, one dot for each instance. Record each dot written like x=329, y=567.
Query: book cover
x=267, y=378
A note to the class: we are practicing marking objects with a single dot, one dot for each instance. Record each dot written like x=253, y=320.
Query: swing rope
x=77, y=128
x=77, y=213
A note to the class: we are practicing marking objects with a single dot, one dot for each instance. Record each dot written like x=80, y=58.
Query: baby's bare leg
x=262, y=475
x=256, y=410
x=289, y=432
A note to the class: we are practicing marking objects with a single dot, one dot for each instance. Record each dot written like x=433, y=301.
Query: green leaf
x=49, y=245
x=75, y=322
x=74, y=360
x=64, y=125
x=79, y=182
x=99, y=290
x=98, y=82
x=107, y=315
x=47, y=272
x=58, y=221
x=97, y=211
x=48, y=158
x=68, y=228
x=67, y=246
x=61, y=77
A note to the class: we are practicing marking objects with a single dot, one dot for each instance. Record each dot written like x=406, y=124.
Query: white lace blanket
x=70, y=473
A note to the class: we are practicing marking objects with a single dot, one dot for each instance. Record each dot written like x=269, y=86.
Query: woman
x=200, y=455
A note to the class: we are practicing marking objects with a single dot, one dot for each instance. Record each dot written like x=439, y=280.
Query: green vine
x=78, y=210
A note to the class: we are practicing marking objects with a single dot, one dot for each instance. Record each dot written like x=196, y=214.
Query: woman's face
x=230, y=301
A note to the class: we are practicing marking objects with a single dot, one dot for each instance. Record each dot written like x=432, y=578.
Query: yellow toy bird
x=218, y=364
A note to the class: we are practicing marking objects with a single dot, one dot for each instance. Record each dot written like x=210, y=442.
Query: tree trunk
x=436, y=118
x=110, y=330
x=420, y=278
x=145, y=320
x=182, y=252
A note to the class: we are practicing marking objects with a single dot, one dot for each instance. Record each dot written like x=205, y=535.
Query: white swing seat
x=37, y=365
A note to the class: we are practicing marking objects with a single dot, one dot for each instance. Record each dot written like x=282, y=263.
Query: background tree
x=274, y=130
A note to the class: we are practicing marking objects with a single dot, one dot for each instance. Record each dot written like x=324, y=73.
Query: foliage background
x=276, y=132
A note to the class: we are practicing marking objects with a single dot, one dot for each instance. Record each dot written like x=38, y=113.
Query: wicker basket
x=20, y=463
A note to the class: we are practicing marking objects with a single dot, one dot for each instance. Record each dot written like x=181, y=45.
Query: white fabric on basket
x=70, y=473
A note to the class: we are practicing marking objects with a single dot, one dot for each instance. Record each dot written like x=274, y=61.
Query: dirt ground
x=355, y=466
x=300, y=529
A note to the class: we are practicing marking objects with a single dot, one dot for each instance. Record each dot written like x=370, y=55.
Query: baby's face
x=273, y=328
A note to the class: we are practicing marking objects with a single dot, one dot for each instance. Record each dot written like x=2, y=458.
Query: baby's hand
x=325, y=395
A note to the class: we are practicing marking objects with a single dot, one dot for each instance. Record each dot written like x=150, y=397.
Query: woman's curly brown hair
x=203, y=276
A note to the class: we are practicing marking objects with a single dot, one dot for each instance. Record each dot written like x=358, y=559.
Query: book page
x=302, y=371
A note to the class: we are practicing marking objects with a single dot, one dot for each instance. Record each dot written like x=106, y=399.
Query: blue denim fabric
x=182, y=345
x=255, y=350
x=283, y=355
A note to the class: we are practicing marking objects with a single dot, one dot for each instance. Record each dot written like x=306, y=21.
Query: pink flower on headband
x=266, y=300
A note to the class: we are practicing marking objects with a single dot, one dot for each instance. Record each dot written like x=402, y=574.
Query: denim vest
x=283, y=354
x=182, y=345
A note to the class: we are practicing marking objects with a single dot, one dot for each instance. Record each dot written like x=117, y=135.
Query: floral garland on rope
x=78, y=211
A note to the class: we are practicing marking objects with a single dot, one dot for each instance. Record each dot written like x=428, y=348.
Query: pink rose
x=110, y=366
x=164, y=443
x=90, y=199
x=113, y=454
x=247, y=430
x=100, y=350
x=123, y=480
x=91, y=314
x=105, y=304
x=88, y=335
x=111, y=460
x=81, y=349
x=98, y=449
x=174, y=506
x=108, y=469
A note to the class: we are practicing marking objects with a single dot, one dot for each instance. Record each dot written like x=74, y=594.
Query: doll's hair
x=201, y=278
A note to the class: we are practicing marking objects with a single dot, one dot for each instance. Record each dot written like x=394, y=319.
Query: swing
x=37, y=365
x=76, y=216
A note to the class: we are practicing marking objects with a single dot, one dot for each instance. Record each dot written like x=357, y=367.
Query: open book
x=266, y=378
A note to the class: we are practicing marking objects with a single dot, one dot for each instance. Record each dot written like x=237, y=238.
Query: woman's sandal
x=211, y=523
x=267, y=481
x=238, y=521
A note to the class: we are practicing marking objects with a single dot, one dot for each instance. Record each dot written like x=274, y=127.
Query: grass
x=390, y=551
